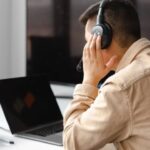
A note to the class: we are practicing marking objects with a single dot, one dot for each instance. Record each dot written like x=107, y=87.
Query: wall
x=144, y=14
x=12, y=38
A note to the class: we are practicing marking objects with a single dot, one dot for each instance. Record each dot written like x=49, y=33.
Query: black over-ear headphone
x=102, y=28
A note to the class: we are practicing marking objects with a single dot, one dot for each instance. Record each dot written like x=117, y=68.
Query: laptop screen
x=28, y=102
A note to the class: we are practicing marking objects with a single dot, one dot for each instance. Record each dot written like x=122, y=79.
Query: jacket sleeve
x=94, y=118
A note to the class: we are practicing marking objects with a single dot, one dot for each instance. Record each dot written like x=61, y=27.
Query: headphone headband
x=100, y=17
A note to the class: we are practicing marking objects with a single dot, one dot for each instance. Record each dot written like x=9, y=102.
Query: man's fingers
x=98, y=42
x=86, y=47
x=99, y=50
x=92, y=48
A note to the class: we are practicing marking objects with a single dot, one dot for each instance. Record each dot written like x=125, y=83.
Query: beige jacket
x=119, y=112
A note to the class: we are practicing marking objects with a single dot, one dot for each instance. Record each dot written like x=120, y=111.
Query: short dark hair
x=122, y=16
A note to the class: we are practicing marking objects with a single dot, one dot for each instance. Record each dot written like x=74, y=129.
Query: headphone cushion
x=98, y=30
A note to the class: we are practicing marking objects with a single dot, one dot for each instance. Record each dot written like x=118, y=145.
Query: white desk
x=26, y=144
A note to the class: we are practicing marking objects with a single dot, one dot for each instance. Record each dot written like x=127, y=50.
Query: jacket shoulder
x=126, y=77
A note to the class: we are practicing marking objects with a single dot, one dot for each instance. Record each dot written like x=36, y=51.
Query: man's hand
x=93, y=64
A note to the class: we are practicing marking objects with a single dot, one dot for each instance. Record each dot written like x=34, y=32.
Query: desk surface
x=26, y=144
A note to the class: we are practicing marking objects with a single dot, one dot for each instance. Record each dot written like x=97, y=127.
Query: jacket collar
x=132, y=52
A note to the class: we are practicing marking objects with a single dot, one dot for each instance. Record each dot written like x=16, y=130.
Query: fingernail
x=99, y=36
x=95, y=35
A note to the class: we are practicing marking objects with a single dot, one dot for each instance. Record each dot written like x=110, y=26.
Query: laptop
x=31, y=109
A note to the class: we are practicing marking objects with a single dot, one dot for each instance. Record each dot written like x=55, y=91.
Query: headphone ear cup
x=98, y=30
x=106, y=36
x=106, y=32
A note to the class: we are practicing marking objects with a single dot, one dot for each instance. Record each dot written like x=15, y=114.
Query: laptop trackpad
x=57, y=137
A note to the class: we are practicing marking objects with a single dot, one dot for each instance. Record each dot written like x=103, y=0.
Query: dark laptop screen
x=28, y=102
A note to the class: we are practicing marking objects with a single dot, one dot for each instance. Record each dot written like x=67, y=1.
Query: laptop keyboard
x=48, y=130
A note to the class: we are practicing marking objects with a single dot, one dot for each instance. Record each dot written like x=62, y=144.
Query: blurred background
x=55, y=37
x=45, y=37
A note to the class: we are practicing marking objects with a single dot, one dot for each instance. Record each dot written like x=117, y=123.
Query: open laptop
x=31, y=109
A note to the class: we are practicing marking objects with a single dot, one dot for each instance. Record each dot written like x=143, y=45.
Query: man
x=119, y=111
